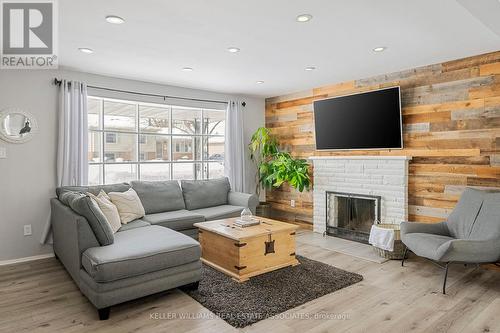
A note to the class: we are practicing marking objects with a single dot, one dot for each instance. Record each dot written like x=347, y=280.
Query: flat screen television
x=369, y=120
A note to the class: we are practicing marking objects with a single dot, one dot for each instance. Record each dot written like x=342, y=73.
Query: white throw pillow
x=108, y=209
x=129, y=205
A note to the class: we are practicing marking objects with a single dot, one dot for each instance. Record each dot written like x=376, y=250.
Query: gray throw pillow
x=205, y=193
x=83, y=205
x=159, y=196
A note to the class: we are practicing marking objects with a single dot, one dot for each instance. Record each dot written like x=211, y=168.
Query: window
x=110, y=137
x=109, y=157
x=130, y=140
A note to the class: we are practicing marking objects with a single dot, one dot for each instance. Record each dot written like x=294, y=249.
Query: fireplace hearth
x=351, y=215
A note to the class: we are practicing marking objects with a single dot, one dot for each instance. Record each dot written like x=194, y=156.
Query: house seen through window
x=130, y=140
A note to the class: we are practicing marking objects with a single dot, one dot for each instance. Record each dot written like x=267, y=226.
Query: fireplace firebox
x=350, y=215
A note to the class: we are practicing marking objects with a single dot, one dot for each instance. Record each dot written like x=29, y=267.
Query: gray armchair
x=471, y=234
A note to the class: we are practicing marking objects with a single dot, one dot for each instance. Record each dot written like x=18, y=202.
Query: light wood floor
x=40, y=297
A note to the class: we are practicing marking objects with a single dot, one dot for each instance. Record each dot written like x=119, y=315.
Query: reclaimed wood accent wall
x=451, y=119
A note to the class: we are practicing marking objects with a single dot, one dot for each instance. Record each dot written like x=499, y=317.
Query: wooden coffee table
x=245, y=252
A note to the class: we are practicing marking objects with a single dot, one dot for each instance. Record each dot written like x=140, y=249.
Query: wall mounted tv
x=369, y=120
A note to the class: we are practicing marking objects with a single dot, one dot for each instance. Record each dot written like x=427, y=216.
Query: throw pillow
x=108, y=209
x=85, y=206
x=128, y=204
x=205, y=193
x=159, y=196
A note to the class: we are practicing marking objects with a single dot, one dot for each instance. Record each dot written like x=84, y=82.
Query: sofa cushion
x=120, y=187
x=191, y=232
x=219, y=212
x=176, y=220
x=205, y=193
x=108, y=209
x=161, y=196
x=140, y=251
x=426, y=245
x=167, y=279
x=85, y=206
x=134, y=224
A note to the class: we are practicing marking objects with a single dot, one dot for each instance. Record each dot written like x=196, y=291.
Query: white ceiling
x=159, y=38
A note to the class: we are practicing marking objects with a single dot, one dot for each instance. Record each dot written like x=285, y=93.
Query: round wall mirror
x=17, y=126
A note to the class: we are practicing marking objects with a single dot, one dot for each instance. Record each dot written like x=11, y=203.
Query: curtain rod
x=58, y=83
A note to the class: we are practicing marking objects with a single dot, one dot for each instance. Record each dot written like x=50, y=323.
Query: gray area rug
x=263, y=296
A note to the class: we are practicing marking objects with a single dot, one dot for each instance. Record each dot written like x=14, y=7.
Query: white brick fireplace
x=384, y=176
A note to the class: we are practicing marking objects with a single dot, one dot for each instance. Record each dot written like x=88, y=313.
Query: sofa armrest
x=72, y=236
x=425, y=228
x=243, y=199
x=472, y=251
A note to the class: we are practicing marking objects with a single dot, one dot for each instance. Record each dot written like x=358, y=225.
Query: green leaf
x=276, y=167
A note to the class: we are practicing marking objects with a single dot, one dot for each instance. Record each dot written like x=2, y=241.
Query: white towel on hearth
x=382, y=238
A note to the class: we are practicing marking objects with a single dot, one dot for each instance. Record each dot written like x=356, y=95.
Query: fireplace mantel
x=360, y=157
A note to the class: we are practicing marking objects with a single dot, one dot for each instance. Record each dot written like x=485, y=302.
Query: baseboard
x=26, y=259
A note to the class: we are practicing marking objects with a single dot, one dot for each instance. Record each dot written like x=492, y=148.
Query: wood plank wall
x=451, y=118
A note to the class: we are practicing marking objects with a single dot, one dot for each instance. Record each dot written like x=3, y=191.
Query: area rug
x=263, y=296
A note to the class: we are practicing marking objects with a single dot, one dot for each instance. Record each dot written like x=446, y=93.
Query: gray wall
x=28, y=175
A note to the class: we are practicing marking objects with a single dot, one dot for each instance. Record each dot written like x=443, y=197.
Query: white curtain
x=72, y=145
x=72, y=149
x=234, y=160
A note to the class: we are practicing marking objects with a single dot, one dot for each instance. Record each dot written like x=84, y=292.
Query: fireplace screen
x=350, y=215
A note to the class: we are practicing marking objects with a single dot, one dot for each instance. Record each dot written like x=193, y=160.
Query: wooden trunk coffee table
x=245, y=252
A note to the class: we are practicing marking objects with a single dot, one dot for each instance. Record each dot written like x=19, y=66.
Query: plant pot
x=264, y=210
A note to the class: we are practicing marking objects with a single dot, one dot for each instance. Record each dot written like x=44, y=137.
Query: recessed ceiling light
x=86, y=50
x=114, y=19
x=304, y=18
x=187, y=69
x=233, y=49
x=310, y=68
x=260, y=82
x=379, y=49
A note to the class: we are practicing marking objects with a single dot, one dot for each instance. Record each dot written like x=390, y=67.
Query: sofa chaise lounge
x=154, y=253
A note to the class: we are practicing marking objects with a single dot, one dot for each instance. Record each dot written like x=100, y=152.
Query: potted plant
x=275, y=167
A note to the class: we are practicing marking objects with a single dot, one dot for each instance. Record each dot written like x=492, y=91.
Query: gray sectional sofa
x=146, y=256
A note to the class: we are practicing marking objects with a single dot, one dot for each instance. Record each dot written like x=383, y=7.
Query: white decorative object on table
x=246, y=215
x=246, y=219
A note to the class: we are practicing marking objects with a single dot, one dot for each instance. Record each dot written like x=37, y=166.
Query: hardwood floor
x=40, y=297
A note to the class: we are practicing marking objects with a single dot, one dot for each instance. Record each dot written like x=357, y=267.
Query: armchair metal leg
x=404, y=256
x=445, y=277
